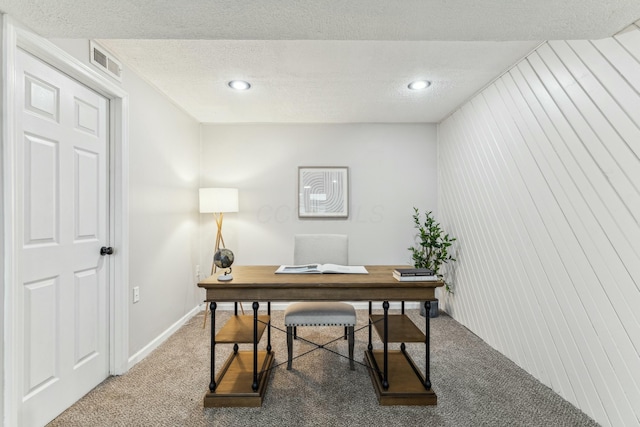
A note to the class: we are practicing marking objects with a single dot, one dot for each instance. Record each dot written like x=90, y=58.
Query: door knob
x=106, y=250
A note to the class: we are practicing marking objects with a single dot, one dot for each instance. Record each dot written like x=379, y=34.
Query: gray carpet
x=476, y=386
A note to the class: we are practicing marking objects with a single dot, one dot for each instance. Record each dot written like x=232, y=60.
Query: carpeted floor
x=476, y=386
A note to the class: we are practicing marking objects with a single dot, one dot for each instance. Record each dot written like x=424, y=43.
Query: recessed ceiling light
x=239, y=85
x=419, y=84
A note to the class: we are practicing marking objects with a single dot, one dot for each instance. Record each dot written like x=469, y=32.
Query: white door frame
x=15, y=37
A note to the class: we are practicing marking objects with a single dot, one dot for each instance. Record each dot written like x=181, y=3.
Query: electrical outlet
x=136, y=294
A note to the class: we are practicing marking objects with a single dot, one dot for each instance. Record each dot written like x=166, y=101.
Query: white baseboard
x=146, y=350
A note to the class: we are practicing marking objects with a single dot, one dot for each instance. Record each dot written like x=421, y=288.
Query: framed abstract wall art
x=323, y=192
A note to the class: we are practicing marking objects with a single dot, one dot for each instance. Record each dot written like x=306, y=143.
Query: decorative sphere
x=223, y=258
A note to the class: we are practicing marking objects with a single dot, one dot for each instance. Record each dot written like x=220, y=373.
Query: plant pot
x=433, y=312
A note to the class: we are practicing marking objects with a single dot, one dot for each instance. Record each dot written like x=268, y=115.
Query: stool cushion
x=320, y=314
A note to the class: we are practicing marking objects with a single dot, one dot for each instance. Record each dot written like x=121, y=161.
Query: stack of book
x=415, y=275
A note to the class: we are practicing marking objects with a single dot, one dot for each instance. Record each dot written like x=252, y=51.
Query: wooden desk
x=260, y=283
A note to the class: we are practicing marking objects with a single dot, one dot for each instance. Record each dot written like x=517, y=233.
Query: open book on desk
x=322, y=269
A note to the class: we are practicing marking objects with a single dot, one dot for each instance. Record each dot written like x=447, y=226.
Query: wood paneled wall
x=539, y=178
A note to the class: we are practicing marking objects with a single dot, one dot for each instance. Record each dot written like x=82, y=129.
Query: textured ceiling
x=318, y=81
x=321, y=60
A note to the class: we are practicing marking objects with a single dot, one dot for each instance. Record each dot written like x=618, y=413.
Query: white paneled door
x=63, y=210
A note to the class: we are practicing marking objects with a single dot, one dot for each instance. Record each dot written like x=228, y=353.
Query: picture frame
x=323, y=192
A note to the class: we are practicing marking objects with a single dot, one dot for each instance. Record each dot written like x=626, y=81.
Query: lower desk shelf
x=405, y=384
x=235, y=379
x=405, y=387
x=239, y=329
x=400, y=327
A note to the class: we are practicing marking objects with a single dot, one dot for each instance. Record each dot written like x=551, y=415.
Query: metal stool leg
x=351, y=344
x=290, y=330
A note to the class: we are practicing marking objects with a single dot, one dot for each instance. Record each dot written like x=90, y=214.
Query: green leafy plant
x=432, y=244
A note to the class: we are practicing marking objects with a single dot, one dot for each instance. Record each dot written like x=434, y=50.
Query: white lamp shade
x=214, y=200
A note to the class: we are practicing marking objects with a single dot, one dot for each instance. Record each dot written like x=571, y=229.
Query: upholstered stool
x=319, y=314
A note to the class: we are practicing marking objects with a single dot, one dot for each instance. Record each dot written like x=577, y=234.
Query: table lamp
x=218, y=201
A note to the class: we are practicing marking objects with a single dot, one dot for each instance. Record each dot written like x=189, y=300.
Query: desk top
x=260, y=283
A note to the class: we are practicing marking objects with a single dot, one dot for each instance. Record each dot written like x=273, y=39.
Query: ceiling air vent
x=105, y=61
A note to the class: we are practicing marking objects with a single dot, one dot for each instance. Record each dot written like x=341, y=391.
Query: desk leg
x=269, y=328
x=212, y=383
x=370, y=346
x=427, y=343
x=254, y=386
x=385, y=378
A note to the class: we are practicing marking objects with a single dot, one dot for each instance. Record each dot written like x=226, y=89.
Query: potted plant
x=431, y=250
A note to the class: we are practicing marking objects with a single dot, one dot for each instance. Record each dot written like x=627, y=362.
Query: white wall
x=2, y=234
x=163, y=225
x=391, y=169
x=540, y=181
x=163, y=218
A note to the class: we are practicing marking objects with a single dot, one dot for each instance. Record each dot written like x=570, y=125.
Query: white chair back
x=321, y=249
